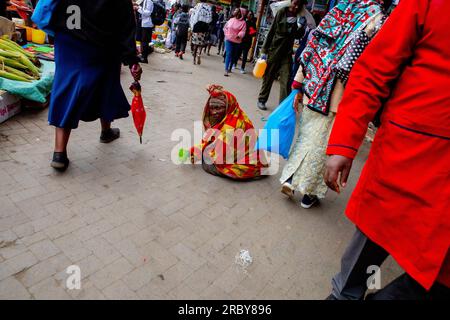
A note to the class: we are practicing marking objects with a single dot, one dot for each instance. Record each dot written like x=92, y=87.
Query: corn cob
x=12, y=76
x=9, y=54
x=13, y=57
x=19, y=73
x=15, y=47
x=12, y=63
x=24, y=60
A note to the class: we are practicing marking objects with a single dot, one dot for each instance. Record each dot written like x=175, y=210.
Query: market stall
x=26, y=63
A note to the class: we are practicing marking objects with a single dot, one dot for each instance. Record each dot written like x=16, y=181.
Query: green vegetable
x=12, y=76
x=19, y=73
x=24, y=60
x=9, y=54
x=12, y=63
x=15, y=47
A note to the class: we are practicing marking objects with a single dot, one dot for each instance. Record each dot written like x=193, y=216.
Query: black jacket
x=108, y=24
x=281, y=37
x=250, y=24
x=3, y=8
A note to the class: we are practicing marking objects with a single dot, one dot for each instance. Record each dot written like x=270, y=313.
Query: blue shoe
x=309, y=201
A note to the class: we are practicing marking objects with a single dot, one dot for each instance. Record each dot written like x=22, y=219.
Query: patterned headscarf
x=328, y=45
x=235, y=119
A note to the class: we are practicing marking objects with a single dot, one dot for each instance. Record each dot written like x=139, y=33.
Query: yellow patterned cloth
x=229, y=144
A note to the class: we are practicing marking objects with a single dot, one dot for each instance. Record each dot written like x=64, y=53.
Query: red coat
x=402, y=200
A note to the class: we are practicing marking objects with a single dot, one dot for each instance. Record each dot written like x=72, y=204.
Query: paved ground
x=141, y=227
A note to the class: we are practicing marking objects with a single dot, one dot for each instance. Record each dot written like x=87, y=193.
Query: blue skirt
x=87, y=84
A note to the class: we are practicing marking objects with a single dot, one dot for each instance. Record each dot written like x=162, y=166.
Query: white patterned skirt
x=306, y=163
x=199, y=39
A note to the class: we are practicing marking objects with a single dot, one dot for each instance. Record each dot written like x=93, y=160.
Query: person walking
x=234, y=33
x=181, y=27
x=136, y=5
x=401, y=204
x=88, y=62
x=146, y=10
x=321, y=85
x=278, y=49
x=3, y=6
x=201, y=17
x=220, y=34
x=212, y=34
x=175, y=10
x=250, y=33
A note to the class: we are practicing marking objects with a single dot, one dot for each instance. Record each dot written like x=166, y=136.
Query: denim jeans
x=232, y=50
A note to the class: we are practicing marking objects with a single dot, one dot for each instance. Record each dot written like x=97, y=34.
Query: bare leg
x=194, y=53
x=61, y=139
x=200, y=54
x=60, y=162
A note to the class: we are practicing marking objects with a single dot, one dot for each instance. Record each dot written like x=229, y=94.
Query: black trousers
x=181, y=42
x=146, y=38
x=274, y=69
x=351, y=282
x=406, y=288
x=245, y=48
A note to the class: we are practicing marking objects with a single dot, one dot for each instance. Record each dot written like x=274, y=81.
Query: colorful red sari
x=228, y=146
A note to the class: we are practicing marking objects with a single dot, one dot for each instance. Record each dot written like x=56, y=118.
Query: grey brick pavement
x=141, y=227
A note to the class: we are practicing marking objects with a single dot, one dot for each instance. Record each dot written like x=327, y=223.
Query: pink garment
x=235, y=30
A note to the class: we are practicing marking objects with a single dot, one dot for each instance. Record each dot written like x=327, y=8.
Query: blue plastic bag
x=279, y=130
x=43, y=13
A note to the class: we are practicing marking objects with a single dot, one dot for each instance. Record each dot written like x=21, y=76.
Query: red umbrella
x=137, y=109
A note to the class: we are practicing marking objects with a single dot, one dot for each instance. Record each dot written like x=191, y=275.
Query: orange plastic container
x=29, y=33
x=260, y=68
x=38, y=36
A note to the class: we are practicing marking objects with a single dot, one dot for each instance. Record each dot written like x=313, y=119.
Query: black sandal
x=109, y=135
x=60, y=161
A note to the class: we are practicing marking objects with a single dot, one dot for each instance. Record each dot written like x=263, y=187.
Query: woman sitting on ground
x=227, y=146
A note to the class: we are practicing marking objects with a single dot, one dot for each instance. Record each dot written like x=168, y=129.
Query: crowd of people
x=206, y=26
x=357, y=61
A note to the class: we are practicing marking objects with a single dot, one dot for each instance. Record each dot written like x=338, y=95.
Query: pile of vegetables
x=17, y=63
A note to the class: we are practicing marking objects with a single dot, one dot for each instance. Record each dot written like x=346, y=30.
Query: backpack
x=158, y=14
x=183, y=24
x=204, y=13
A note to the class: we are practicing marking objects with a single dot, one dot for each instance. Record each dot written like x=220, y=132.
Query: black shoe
x=109, y=135
x=309, y=201
x=262, y=105
x=60, y=161
x=143, y=60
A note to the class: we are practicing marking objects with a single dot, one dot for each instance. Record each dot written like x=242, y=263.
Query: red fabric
x=296, y=85
x=402, y=200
